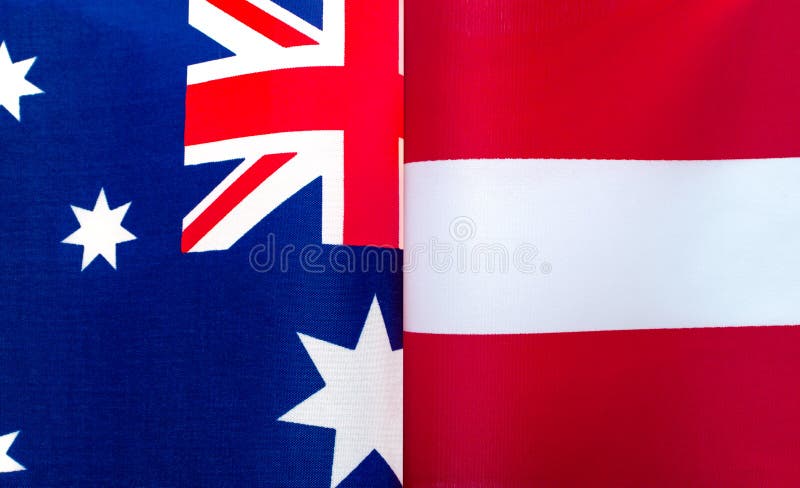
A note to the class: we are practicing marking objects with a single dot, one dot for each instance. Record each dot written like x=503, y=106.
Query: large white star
x=8, y=465
x=362, y=398
x=101, y=230
x=13, y=84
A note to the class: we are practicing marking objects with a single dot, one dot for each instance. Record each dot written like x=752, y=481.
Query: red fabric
x=667, y=408
x=602, y=79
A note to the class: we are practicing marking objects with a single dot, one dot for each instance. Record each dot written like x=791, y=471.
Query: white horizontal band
x=600, y=245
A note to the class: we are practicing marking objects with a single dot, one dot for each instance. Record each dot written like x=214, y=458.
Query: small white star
x=362, y=398
x=13, y=84
x=101, y=230
x=8, y=465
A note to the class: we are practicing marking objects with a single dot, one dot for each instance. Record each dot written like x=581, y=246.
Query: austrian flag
x=650, y=151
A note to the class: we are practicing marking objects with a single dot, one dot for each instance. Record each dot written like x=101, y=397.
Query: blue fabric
x=172, y=369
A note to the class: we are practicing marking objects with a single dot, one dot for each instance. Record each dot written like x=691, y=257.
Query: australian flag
x=201, y=237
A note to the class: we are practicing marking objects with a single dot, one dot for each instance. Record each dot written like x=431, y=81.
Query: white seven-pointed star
x=13, y=84
x=362, y=398
x=101, y=230
x=8, y=465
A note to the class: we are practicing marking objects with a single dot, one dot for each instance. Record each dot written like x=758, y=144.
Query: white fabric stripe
x=601, y=245
x=401, y=191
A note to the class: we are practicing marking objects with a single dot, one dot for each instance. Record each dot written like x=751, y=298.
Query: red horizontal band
x=666, y=408
x=602, y=79
x=268, y=102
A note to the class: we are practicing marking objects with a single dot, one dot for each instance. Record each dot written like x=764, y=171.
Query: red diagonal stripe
x=231, y=197
x=263, y=23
